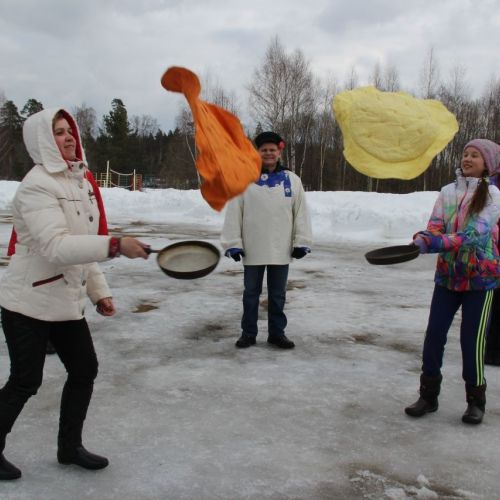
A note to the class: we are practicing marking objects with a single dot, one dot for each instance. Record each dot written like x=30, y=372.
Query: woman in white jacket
x=54, y=268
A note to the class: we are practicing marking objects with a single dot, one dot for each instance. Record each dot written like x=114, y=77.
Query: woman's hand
x=106, y=307
x=132, y=248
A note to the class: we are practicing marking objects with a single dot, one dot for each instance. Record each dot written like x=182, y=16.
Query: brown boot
x=476, y=404
x=428, y=400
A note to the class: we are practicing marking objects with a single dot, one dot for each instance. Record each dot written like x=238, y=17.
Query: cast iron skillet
x=187, y=260
x=393, y=255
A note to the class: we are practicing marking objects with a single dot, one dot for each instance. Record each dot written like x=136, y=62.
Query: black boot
x=283, y=342
x=428, y=400
x=245, y=341
x=80, y=456
x=7, y=470
x=70, y=449
x=74, y=404
x=8, y=415
x=476, y=404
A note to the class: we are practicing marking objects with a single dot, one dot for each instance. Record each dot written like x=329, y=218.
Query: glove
x=299, y=252
x=421, y=244
x=235, y=253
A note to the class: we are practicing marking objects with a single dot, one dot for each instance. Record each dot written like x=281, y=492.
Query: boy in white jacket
x=266, y=226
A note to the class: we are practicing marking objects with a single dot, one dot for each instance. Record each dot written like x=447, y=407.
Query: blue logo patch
x=275, y=179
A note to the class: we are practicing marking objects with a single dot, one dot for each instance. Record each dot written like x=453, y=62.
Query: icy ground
x=182, y=414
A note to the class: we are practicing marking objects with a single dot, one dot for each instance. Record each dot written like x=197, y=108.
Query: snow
x=182, y=414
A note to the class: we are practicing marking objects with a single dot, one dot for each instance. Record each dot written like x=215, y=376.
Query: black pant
x=493, y=338
x=476, y=309
x=26, y=341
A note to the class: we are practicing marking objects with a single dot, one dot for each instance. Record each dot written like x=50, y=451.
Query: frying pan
x=393, y=255
x=187, y=260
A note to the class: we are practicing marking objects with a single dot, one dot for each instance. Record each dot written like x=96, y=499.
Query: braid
x=480, y=197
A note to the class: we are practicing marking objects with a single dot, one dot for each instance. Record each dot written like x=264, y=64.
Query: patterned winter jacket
x=467, y=246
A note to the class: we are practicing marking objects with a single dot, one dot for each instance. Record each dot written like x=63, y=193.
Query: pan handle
x=149, y=250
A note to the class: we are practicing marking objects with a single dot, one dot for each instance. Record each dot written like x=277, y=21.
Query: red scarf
x=103, y=224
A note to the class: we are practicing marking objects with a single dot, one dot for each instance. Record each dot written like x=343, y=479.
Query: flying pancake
x=392, y=134
x=226, y=159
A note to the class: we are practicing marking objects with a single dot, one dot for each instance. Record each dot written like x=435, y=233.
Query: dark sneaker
x=245, y=341
x=281, y=342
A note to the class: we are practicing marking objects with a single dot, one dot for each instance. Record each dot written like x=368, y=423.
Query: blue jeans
x=476, y=309
x=277, y=277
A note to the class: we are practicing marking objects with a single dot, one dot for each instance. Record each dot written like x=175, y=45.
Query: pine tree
x=14, y=161
x=31, y=107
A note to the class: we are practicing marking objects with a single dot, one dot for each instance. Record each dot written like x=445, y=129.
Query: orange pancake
x=226, y=158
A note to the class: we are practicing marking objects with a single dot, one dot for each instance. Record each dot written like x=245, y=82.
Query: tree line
x=284, y=96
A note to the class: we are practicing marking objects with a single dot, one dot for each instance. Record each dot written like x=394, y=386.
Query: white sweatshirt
x=268, y=220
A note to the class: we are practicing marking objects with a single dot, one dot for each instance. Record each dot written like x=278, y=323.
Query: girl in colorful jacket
x=463, y=230
x=60, y=235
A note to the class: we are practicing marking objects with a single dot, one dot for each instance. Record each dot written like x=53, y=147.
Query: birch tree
x=283, y=97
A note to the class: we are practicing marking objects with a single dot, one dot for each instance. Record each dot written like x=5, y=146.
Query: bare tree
x=429, y=76
x=453, y=93
x=490, y=106
x=376, y=77
x=213, y=92
x=268, y=89
x=86, y=118
x=457, y=87
x=302, y=103
x=351, y=79
x=391, y=79
x=429, y=88
x=325, y=125
x=283, y=97
x=185, y=124
x=144, y=125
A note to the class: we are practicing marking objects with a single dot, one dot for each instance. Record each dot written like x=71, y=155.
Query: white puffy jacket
x=56, y=218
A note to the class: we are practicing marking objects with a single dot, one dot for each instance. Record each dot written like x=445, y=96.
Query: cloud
x=65, y=53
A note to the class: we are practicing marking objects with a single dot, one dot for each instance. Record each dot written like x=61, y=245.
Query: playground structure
x=111, y=178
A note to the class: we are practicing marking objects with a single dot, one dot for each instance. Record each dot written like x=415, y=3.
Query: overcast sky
x=65, y=53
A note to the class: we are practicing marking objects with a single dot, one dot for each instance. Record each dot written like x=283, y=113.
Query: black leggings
x=493, y=338
x=26, y=341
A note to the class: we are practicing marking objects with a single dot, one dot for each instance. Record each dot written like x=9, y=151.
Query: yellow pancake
x=392, y=134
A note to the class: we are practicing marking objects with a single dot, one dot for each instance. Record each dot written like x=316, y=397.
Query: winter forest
x=283, y=95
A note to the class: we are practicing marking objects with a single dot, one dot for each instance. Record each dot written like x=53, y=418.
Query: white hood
x=39, y=140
